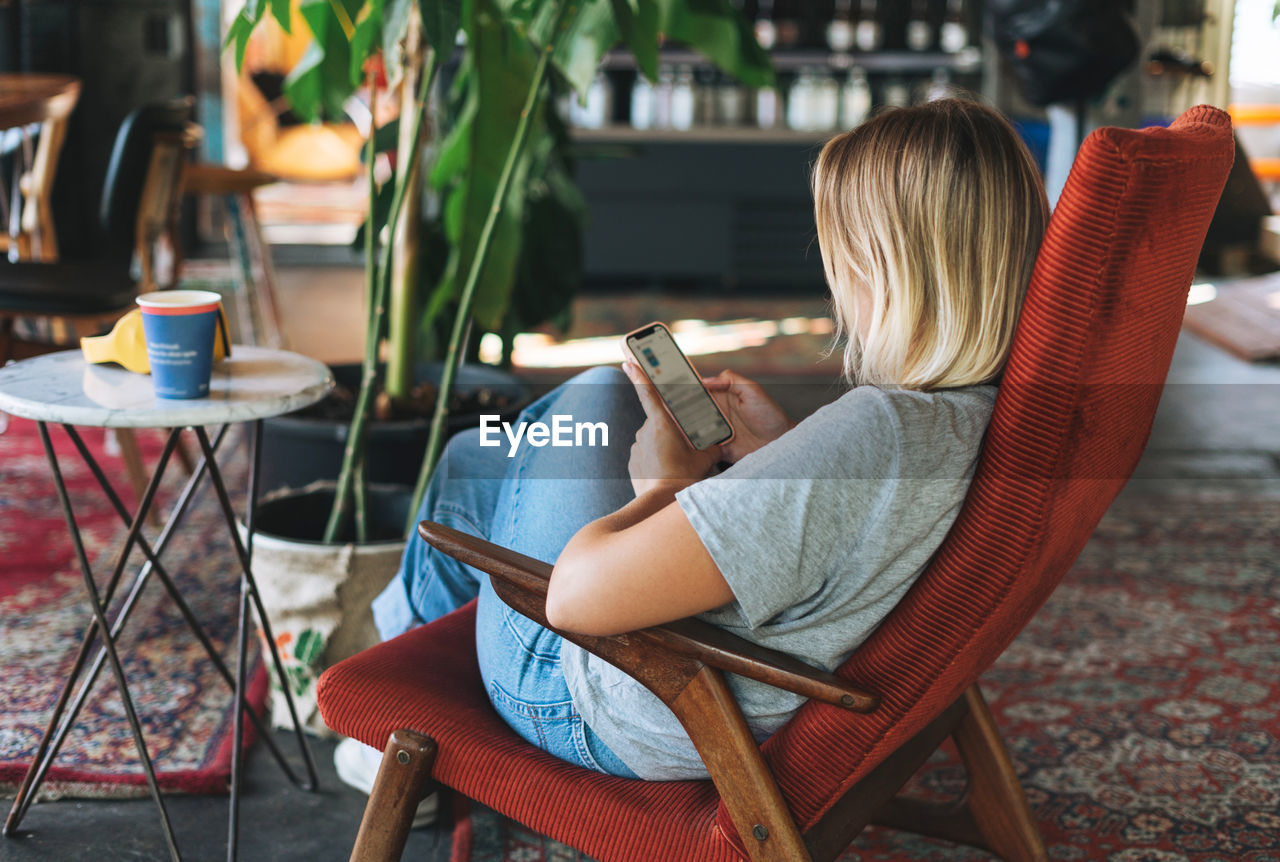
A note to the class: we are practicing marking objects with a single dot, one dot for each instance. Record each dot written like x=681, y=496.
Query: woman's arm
x=641, y=566
x=644, y=564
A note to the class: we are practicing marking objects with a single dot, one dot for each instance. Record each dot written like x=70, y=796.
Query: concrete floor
x=1218, y=426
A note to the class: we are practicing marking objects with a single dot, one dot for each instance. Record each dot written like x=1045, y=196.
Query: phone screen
x=690, y=404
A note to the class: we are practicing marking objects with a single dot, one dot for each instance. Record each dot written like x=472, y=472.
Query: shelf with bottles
x=967, y=60
x=620, y=133
x=836, y=62
x=700, y=104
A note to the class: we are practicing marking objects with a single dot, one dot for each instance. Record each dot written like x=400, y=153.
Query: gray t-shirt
x=819, y=534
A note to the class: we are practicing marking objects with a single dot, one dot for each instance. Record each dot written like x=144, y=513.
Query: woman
x=929, y=219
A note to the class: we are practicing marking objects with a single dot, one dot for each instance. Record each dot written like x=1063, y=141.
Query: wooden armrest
x=690, y=638
x=208, y=179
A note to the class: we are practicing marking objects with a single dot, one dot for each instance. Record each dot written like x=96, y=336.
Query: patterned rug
x=1139, y=705
x=183, y=703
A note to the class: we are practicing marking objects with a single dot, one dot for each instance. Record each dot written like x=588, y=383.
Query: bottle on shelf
x=955, y=32
x=867, y=35
x=682, y=99
x=897, y=93
x=729, y=102
x=642, y=103
x=813, y=104
x=595, y=111
x=766, y=32
x=800, y=101
x=662, y=93
x=937, y=87
x=840, y=28
x=768, y=108
x=855, y=98
x=786, y=24
x=919, y=33
x=825, y=109
x=705, y=89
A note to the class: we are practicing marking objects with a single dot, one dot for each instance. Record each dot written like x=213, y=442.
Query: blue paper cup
x=180, y=326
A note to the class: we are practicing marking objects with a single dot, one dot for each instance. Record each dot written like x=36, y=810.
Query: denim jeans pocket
x=537, y=643
x=556, y=728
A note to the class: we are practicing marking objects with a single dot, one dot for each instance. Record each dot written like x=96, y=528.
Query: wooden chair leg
x=999, y=807
x=131, y=455
x=402, y=779
x=993, y=813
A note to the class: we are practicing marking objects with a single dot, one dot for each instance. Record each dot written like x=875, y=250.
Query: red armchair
x=1073, y=415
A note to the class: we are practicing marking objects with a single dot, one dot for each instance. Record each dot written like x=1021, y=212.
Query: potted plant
x=500, y=171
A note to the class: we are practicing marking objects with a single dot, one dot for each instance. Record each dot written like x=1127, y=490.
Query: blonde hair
x=937, y=212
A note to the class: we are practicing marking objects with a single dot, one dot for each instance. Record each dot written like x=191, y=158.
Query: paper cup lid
x=179, y=301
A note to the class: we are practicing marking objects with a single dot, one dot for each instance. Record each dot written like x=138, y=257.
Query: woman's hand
x=661, y=454
x=756, y=418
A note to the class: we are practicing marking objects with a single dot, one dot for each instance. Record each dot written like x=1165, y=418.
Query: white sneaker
x=357, y=766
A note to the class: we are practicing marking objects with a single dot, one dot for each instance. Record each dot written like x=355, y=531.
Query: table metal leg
x=42, y=765
x=100, y=621
x=249, y=592
x=51, y=742
x=171, y=588
x=63, y=719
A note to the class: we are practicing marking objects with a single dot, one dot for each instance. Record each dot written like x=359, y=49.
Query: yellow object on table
x=126, y=344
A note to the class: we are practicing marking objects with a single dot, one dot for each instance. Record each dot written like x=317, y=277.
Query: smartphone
x=686, y=399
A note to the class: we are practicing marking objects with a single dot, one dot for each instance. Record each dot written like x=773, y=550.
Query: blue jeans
x=532, y=502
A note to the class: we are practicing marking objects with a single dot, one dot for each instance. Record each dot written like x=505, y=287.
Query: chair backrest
x=1088, y=364
x=130, y=164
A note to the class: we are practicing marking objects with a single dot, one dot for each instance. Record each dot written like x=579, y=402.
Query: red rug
x=1139, y=705
x=183, y=703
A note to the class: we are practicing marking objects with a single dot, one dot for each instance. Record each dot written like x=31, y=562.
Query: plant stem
x=406, y=240
x=356, y=430
x=361, y=489
x=439, y=420
x=376, y=284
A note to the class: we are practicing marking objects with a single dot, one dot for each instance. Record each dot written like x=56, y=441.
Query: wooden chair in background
x=47, y=306
x=257, y=310
x=44, y=101
x=1075, y=408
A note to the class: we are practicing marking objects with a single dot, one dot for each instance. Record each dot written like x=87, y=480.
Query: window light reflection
x=695, y=337
x=1201, y=293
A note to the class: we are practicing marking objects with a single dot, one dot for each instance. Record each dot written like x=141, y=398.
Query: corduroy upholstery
x=1073, y=415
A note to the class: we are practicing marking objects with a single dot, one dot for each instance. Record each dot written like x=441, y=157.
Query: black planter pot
x=300, y=515
x=298, y=450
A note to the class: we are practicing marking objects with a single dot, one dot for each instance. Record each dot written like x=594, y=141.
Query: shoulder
x=909, y=407
x=895, y=427
x=907, y=414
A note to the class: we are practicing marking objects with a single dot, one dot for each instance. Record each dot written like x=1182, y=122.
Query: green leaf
x=550, y=269
x=455, y=149
x=304, y=86
x=302, y=679
x=367, y=40
x=503, y=64
x=638, y=22
x=395, y=20
x=238, y=35
x=280, y=11
x=441, y=20
x=320, y=84
x=309, y=648
x=720, y=33
x=588, y=37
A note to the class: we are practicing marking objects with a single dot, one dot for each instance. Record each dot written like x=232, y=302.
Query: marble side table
x=250, y=385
